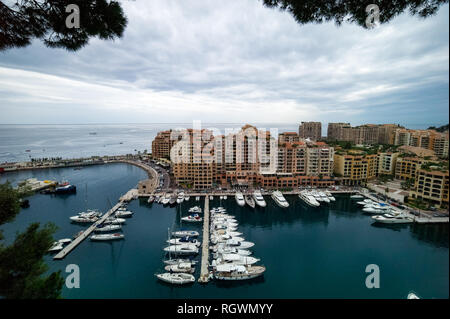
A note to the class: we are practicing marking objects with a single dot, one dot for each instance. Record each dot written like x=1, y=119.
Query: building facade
x=311, y=130
x=355, y=168
x=432, y=185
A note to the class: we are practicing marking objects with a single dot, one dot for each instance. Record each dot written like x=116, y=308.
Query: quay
x=204, y=271
x=66, y=250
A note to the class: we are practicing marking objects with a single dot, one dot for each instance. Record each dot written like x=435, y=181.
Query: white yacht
x=184, y=240
x=84, y=219
x=180, y=197
x=123, y=213
x=192, y=218
x=197, y=198
x=59, y=245
x=330, y=196
x=114, y=220
x=278, y=197
x=166, y=199
x=324, y=197
x=392, y=219
x=365, y=202
x=176, y=278
x=107, y=228
x=238, y=244
x=211, y=197
x=308, y=199
x=151, y=199
x=259, y=199
x=232, y=250
x=357, y=196
x=177, y=261
x=225, y=197
x=376, y=208
x=250, y=201
x=184, y=249
x=103, y=237
x=184, y=233
x=195, y=209
x=187, y=197
x=238, y=272
x=239, y=199
x=234, y=259
x=180, y=268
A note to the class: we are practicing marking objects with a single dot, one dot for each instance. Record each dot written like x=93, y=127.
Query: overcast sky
x=231, y=62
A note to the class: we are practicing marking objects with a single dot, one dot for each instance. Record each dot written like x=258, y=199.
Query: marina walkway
x=204, y=272
x=66, y=250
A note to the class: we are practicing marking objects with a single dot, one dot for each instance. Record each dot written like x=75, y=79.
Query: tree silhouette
x=339, y=11
x=24, y=20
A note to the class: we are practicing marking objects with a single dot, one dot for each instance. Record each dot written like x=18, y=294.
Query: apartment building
x=432, y=185
x=162, y=144
x=387, y=163
x=288, y=137
x=427, y=139
x=355, y=168
x=311, y=130
x=363, y=134
x=406, y=167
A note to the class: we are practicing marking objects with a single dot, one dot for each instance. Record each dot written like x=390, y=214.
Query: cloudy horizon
x=234, y=62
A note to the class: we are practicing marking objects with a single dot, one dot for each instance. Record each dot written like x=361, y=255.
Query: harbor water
x=308, y=252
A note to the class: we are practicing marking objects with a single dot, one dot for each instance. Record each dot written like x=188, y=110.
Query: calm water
x=309, y=253
x=71, y=141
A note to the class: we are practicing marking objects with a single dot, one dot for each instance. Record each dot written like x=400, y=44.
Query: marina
x=128, y=265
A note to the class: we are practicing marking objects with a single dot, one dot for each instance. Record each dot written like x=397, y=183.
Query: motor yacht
x=239, y=199
x=278, y=197
x=104, y=237
x=176, y=278
x=259, y=199
x=237, y=272
x=309, y=199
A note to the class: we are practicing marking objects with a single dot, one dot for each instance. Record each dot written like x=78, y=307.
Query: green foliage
x=9, y=203
x=353, y=11
x=22, y=266
x=441, y=129
x=25, y=20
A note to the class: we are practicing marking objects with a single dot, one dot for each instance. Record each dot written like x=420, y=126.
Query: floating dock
x=66, y=250
x=204, y=271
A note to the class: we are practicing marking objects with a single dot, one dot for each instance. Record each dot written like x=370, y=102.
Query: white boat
x=232, y=250
x=234, y=259
x=238, y=272
x=224, y=238
x=330, y=196
x=184, y=249
x=366, y=202
x=150, y=199
x=221, y=197
x=184, y=233
x=357, y=196
x=259, y=199
x=166, y=199
x=180, y=197
x=107, y=228
x=224, y=232
x=197, y=198
x=225, y=197
x=392, y=219
x=83, y=220
x=223, y=227
x=114, y=220
x=278, y=197
x=59, y=244
x=179, y=260
x=102, y=237
x=184, y=240
x=239, y=199
x=376, y=208
x=324, y=197
x=123, y=213
x=195, y=209
x=192, y=218
x=186, y=198
x=250, y=201
x=176, y=278
x=412, y=295
x=211, y=197
x=308, y=199
x=180, y=268
x=239, y=244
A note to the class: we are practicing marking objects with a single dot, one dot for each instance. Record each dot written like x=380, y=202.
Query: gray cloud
x=234, y=61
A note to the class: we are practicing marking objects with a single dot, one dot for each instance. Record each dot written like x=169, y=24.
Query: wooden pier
x=204, y=270
x=66, y=250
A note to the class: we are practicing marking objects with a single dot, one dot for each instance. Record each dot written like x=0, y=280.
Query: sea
x=308, y=252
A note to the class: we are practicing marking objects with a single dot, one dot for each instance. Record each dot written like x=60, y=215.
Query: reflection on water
x=435, y=234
